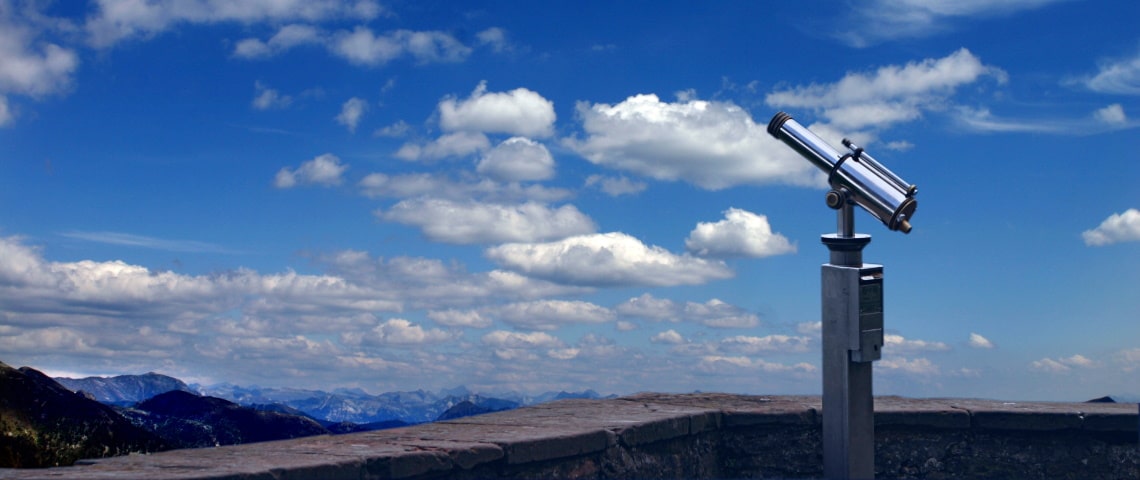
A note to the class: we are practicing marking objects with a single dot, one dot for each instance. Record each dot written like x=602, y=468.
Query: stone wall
x=679, y=436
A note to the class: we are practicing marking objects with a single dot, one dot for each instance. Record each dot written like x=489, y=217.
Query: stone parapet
x=654, y=435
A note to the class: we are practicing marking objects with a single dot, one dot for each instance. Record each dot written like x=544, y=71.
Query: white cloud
x=876, y=21
x=519, y=112
x=740, y=234
x=718, y=364
x=670, y=337
x=711, y=144
x=897, y=345
x=395, y=130
x=411, y=185
x=505, y=339
x=455, y=144
x=398, y=331
x=459, y=318
x=322, y=170
x=1128, y=359
x=551, y=314
x=811, y=329
x=891, y=94
x=475, y=222
x=1062, y=365
x=615, y=186
x=978, y=341
x=30, y=65
x=606, y=259
x=717, y=314
x=984, y=121
x=1118, y=227
x=752, y=345
x=287, y=37
x=267, y=98
x=517, y=159
x=1117, y=77
x=6, y=115
x=117, y=20
x=649, y=307
x=363, y=47
x=495, y=38
x=713, y=313
x=1112, y=115
x=351, y=112
x=917, y=366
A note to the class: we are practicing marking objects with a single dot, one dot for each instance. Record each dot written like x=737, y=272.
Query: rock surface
x=679, y=436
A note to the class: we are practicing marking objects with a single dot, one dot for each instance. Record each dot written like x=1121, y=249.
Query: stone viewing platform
x=654, y=435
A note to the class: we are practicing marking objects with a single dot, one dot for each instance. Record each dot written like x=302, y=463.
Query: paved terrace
x=678, y=436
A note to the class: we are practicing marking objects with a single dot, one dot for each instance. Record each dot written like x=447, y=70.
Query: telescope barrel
x=804, y=141
x=871, y=185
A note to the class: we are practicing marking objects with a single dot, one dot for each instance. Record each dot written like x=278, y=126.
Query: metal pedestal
x=852, y=338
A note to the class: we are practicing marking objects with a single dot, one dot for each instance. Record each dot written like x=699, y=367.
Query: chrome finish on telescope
x=866, y=182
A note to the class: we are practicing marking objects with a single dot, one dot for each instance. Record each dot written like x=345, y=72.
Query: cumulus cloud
x=615, y=186
x=740, y=234
x=649, y=307
x=1062, y=365
x=324, y=170
x=495, y=38
x=287, y=37
x=29, y=64
x=467, y=222
x=890, y=95
x=267, y=98
x=718, y=314
x=978, y=341
x=1118, y=227
x=519, y=112
x=117, y=20
x=505, y=339
x=551, y=314
x=459, y=318
x=713, y=145
x=1117, y=77
x=669, y=337
x=713, y=313
x=351, y=112
x=363, y=47
x=451, y=145
x=606, y=259
x=811, y=329
x=517, y=159
x=1112, y=115
x=398, y=332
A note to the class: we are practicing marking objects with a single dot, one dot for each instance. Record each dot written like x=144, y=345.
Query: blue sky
x=564, y=195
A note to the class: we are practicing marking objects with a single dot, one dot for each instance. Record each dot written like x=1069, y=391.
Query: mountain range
x=51, y=422
x=341, y=405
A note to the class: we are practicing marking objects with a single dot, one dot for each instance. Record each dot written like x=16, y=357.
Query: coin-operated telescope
x=854, y=176
x=852, y=293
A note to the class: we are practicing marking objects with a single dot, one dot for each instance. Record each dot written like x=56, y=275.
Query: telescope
x=854, y=176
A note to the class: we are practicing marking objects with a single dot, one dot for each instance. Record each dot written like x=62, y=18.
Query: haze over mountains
x=51, y=422
x=340, y=405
